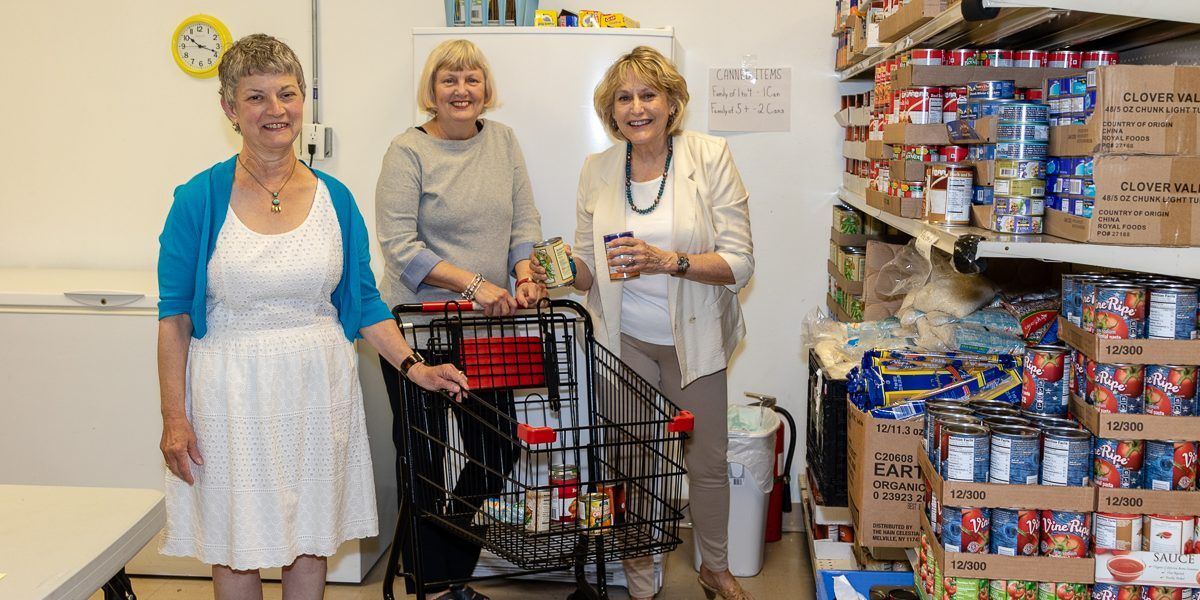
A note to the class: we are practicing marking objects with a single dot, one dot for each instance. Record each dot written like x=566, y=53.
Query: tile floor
x=787, y=573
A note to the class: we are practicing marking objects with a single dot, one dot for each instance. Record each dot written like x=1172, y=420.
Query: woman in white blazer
x=665, y=299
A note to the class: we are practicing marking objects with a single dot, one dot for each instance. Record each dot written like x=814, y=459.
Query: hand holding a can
x=551, y=265
x=631, y=256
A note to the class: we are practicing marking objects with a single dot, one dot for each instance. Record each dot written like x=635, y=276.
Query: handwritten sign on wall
x=750, y=99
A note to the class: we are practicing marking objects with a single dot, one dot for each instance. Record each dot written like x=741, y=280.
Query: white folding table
x=68, y=542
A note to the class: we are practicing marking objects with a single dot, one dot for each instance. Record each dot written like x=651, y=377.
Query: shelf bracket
x=965, y=255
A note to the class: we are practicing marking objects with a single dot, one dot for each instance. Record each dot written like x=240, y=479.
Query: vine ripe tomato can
x=934, y=410
x=1116, y=532
x=1109, y=591
x=1015, y=455
x=1170, y=465
x=1012, y=589
x=966, y=453
x=1087, y=298
x=1066, y=533
x=1171, y=313
x=1162, y=592
x=1118, y=388
x=966, y=529
x=1066, y=457
x=1044, y=388
x=1171, y=534
x=1015, y=531
x=1170, y=390
x=941, y=449
x=1049, y=590
x=1118, y=463
x=1119, y=311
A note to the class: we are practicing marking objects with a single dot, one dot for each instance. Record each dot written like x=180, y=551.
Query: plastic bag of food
x=908, y=271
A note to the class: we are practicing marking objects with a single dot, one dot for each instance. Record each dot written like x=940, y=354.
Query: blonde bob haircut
x=256, y=54
x=647, y=65
x=454, y=55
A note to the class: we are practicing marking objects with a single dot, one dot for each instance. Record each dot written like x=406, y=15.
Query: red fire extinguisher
x=781, y=494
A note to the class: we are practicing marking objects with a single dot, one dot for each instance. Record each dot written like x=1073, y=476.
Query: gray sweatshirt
x=467, y=202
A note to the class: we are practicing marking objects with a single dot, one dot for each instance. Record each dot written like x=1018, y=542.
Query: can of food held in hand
x=551, y=254
x=613, y=273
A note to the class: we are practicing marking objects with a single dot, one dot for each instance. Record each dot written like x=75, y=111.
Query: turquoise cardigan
x=190, y=236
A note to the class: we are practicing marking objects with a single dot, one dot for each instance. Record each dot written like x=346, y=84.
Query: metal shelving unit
x=1043, y=24
x=982, y=243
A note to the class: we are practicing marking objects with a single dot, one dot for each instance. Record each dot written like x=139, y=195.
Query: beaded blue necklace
x=629, y=178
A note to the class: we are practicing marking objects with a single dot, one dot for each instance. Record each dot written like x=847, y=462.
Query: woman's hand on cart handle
x=179, y=447
x=496, y=301
x=439, y=378
x=529, y=292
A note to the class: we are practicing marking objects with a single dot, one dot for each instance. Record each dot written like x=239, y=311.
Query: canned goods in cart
x=1170, y=390
x=1170, y=465
x=1017, y=205
x=1065, y=533
x=1168, y=533
x=1172, y=312
x=921, y=105
x=1066, y=456
x=1030, y=59
x=1015, y=531
x=966, y=529
x=1021, y=151
x=1044, y=385
x=1118, y=388
x=537, y=510
x=1021, y=132
x=551, y=255
x=564, y=482
x=1119, y=311
x=1012, y=589
x=1118, y=463
x=965, y=453
x=616, y=499
x=949, y=190
x=1117, y=532
x=1016, y=455
x=1110, y=591
x=999, y=89
x=1049, y=590
x=595, y=513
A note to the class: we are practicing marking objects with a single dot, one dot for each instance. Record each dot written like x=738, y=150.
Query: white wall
x=102, y=126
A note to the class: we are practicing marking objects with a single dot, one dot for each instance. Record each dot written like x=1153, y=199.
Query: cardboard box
x=1138, y=427
x=1158, y=569
x=837, y=311
x=855, y=184
x=854, y=150
x=994, y=495
x=1147, y=502
x=879, y=150
x=994, y=566
x=886, y=491
x=946, y=76
x=933, y=134
x=864, y=35
x=853, y=116
x=1140, y=201
x=826, y=554
x=909, y=17
x=907, y=170
x=913, y=208
x=1138, y=352
x=849, y=239
x=1140, y=109
x=854, y=287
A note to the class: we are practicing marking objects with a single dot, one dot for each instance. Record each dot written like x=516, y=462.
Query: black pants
x=444, y=555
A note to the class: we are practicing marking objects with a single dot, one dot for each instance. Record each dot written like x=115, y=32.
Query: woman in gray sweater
x=456, y=218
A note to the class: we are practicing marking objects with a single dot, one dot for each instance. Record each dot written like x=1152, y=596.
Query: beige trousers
x=704, y=455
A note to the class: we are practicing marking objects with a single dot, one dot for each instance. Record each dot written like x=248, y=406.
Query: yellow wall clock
x=198, y=44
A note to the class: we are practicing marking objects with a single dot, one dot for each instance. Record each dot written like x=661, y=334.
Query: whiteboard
x=544, y=80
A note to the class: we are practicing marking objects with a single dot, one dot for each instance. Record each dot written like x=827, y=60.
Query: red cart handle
x=536, y=435
x=682, y=422
x=462, y=305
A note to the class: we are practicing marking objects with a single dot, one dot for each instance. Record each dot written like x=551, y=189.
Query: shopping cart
x=544, y=408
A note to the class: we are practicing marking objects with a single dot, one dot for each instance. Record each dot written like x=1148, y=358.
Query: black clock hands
x=198, y=44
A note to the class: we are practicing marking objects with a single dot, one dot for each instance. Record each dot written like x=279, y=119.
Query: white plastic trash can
x=751, y=457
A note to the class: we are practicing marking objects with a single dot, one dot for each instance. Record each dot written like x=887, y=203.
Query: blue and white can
x=1015, y=531
x=966, y=453
x=1016, y=455
x=1066, y=457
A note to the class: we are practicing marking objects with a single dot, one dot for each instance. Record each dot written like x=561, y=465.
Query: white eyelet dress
x=274, y=398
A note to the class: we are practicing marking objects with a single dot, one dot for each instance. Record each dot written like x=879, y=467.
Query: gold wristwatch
x=408, y=363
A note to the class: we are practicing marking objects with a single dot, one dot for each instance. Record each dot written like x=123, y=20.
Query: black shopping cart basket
x=560, y=454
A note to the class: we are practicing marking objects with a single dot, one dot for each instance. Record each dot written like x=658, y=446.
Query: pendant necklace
x=629, y=178
x=276, y=207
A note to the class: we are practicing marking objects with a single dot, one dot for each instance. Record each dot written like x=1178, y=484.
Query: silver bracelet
x=469, y=293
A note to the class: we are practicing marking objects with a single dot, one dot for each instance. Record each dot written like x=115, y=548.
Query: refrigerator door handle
x=104, y=298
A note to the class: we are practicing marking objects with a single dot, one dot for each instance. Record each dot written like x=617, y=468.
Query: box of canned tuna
x=1138, y=201
x=1138, y=109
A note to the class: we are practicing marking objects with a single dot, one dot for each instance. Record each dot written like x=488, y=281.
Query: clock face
x=198, y=45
